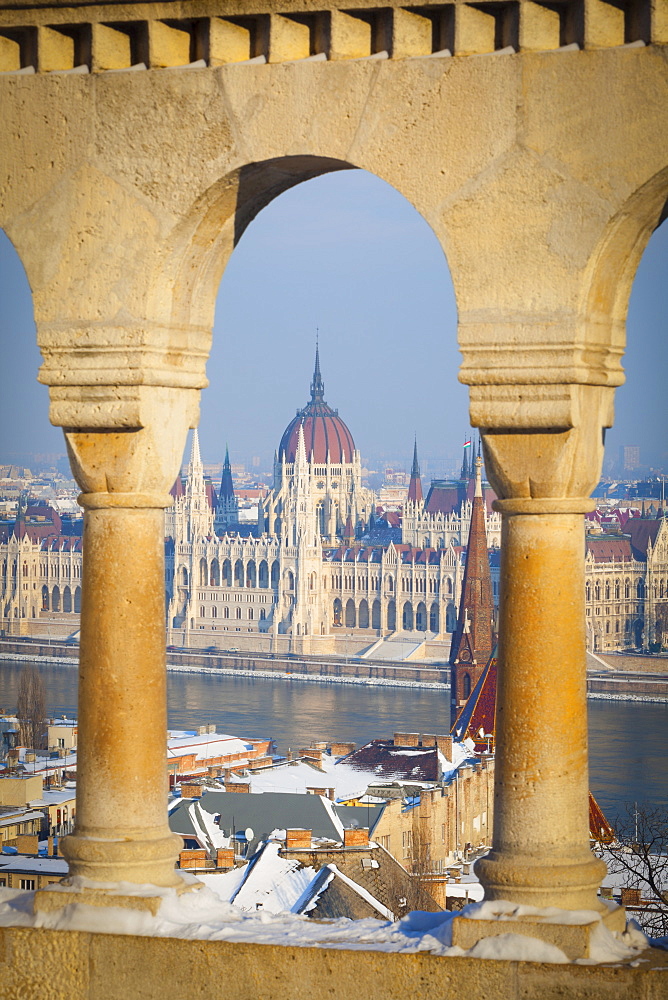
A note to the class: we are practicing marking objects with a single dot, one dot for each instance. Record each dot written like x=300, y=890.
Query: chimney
x=356, y=838
x=312, y=753
x=298, y=840
x=202, y=730
x=342, y=749
x=238, y=786
x=225, y=857
x=211, y=728
x=444, y=744
x=190, y=791
x=406, y=739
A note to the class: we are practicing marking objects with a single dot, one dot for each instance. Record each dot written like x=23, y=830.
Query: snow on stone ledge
x=201, y=915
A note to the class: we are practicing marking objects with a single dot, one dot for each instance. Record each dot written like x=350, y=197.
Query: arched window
x=251, y=614
x=238, y=573
x=640, y=589
x=251, y=576
x=466, y=685
x=391, y=616
x=214, y=611
x=263, y=614
x=237, y=613
x=263, y=574
x=597, y=591
x=67, y=600
x=337, y=611
x=350, y=614
x=607, y=591
x=227, y=573
x=203, y=574
x=25, y=568
x=588, y=591
x=184, y=577
x=226, y=612
x=407, y=617
x=214, y=575
x=433, y=618
x=617, y=590
x=627, y=589
x=375, y=615
x=202, y=612
x=363, y=615
x=275, y=573
x=421, y=617
x=291, y=580
x=45, y=598
x=77, y=600
x=55, y=599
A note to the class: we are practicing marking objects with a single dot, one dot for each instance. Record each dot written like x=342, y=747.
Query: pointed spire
x=195, y=457
x=317, y=385
x=465, y=461
x=472, y=641
x=300, y=457
x=415, y=486
x=226, y=483
x=478, y=477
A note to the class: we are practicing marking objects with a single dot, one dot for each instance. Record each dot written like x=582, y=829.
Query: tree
x=638, y=856
x=31, y=709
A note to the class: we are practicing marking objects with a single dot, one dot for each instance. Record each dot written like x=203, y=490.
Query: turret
x=415, y=485
x=227, y=510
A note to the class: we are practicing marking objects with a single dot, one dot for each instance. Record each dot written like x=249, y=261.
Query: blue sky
x=346, y=254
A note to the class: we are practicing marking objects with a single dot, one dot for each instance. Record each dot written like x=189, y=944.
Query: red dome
x=325, y=433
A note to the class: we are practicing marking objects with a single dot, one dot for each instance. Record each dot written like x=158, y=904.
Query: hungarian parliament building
x=323, y=561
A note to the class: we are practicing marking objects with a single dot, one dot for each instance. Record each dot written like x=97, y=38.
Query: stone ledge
x=574, y=940
x=74, y=965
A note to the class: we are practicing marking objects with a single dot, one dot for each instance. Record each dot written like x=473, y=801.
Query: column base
x=524, y=880
x=142, y=861
x=64, y=893
x=574, y=939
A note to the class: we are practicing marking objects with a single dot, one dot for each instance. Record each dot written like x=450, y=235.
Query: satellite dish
x=249, y=834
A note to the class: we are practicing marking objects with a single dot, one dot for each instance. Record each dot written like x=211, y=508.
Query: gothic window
x=184, y=577
x=237, y=612
x=275, y=573
x=226, y=612
x=263, y=574
x=375, y=615
x=627, y=590
x=433, y=618
x=391, y=616
x=45, y=598
x=363, y=615
x=203, y=574
x=466, y=685
x=202, y=612
x=407, y=617
x=350, y=614
x=251, y=614
x=617, y=590
x=588, y=591
x=263, y=614
x=607, y=591
x=640, y=588
x=251, y=578
x=214, y=612
x=55, y=599
x=597, y=591
x=77, y=600
x=214, y=576
x=238, y=573
x=291, y=580
x=67, y=600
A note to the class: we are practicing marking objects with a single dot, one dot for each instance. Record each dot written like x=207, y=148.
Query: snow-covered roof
x=208, y=745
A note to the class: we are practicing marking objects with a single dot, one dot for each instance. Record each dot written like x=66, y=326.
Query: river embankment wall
x=612, y=685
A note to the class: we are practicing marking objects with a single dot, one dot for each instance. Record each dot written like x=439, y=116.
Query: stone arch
x=263, y=574
x=338, y=611
x=184, y=576
x=77, y=600
x=238, y=573
x=290, y=579
x=350, y=618
x=203, y=573
x=433, y=618
x=227, y=573
x=450, y=618
x=363, y=614
x=67, y=600
x=275, y=573
x=421, y=617
x=407, y=617
x=55, y=598
x=376, y=621
x=45, y=598
x=214, y=573
x=392, y=615
x=251, y=573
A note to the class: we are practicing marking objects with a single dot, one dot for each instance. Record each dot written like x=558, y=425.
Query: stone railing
x=103, y=37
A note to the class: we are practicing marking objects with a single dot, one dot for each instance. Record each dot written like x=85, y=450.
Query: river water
x=628, y=740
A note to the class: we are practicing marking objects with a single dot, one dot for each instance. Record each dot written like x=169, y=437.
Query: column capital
x=543, y=444
x=134, y=466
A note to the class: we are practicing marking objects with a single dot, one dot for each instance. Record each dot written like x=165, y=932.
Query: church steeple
x=415, y=485
x=472, y=641
x=317, y=385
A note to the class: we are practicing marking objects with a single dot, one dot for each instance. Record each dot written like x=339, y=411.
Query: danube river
x=628, y=740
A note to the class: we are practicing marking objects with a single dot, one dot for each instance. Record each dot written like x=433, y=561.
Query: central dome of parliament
x=325, y=434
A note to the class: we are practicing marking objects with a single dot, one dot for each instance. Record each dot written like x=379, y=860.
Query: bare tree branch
x=31, y=709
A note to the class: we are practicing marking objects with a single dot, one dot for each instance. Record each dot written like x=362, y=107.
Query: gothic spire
x=472, y=641
x=415, y=486
x=317, y=385
x=226, y=483
x=465, y=461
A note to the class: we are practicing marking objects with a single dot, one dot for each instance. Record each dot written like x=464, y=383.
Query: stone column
x=540, y=849
x=121, y=832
